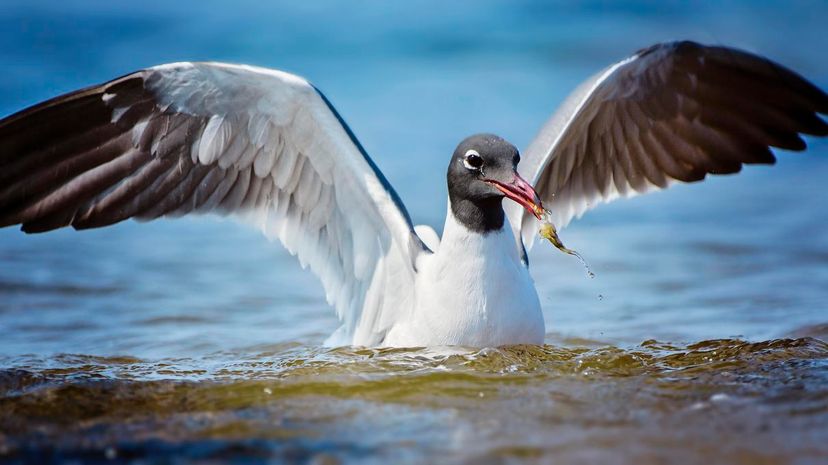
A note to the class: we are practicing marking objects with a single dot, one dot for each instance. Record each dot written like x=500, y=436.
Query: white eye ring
x=472, y=153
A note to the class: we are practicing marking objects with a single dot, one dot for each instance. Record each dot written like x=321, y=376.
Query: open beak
x=521, y=192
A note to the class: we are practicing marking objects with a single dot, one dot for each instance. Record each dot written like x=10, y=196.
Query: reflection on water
x=728, y=401
x=197, y=341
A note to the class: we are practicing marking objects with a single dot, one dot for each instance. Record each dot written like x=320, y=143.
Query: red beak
x=521, y=192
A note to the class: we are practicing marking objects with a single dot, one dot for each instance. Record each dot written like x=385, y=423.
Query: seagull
x=268, y=149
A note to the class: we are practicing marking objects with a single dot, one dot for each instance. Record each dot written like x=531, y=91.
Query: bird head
x=484, y=167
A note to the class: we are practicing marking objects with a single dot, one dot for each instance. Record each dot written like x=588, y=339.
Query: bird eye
x=473, y=160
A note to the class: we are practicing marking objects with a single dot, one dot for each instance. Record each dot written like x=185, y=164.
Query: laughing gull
x=267, y=148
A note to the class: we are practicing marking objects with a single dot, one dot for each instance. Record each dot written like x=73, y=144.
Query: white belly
x=473, y=291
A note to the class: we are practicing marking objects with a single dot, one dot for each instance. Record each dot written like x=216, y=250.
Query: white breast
x=473, y=291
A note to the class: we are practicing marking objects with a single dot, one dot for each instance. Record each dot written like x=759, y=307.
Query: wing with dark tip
x=673, y=112
x=256, y=144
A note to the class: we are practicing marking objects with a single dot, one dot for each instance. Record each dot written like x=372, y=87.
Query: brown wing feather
x=73, y=161
x=675, y=112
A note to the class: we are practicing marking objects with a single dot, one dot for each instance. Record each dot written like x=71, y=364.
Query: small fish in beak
x=524, y=194
x=548, y=232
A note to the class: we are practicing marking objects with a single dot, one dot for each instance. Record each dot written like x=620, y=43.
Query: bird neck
x=479, y=215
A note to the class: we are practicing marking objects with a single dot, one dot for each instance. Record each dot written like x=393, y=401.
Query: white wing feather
x=260, y=145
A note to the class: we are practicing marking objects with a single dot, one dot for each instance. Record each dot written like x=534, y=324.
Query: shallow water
x=727, y=401
x=700, y=340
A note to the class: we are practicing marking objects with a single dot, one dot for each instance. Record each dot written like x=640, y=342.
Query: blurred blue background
x=742, y=255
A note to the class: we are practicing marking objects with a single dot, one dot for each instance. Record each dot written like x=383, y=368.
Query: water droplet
x=698, y=406
x=719, y=397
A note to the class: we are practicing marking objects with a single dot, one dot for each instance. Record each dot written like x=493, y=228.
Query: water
x=726, y=401
x=701, y=339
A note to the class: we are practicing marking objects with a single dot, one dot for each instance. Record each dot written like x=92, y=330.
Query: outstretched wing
x=671, y=112
x=257, y=144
